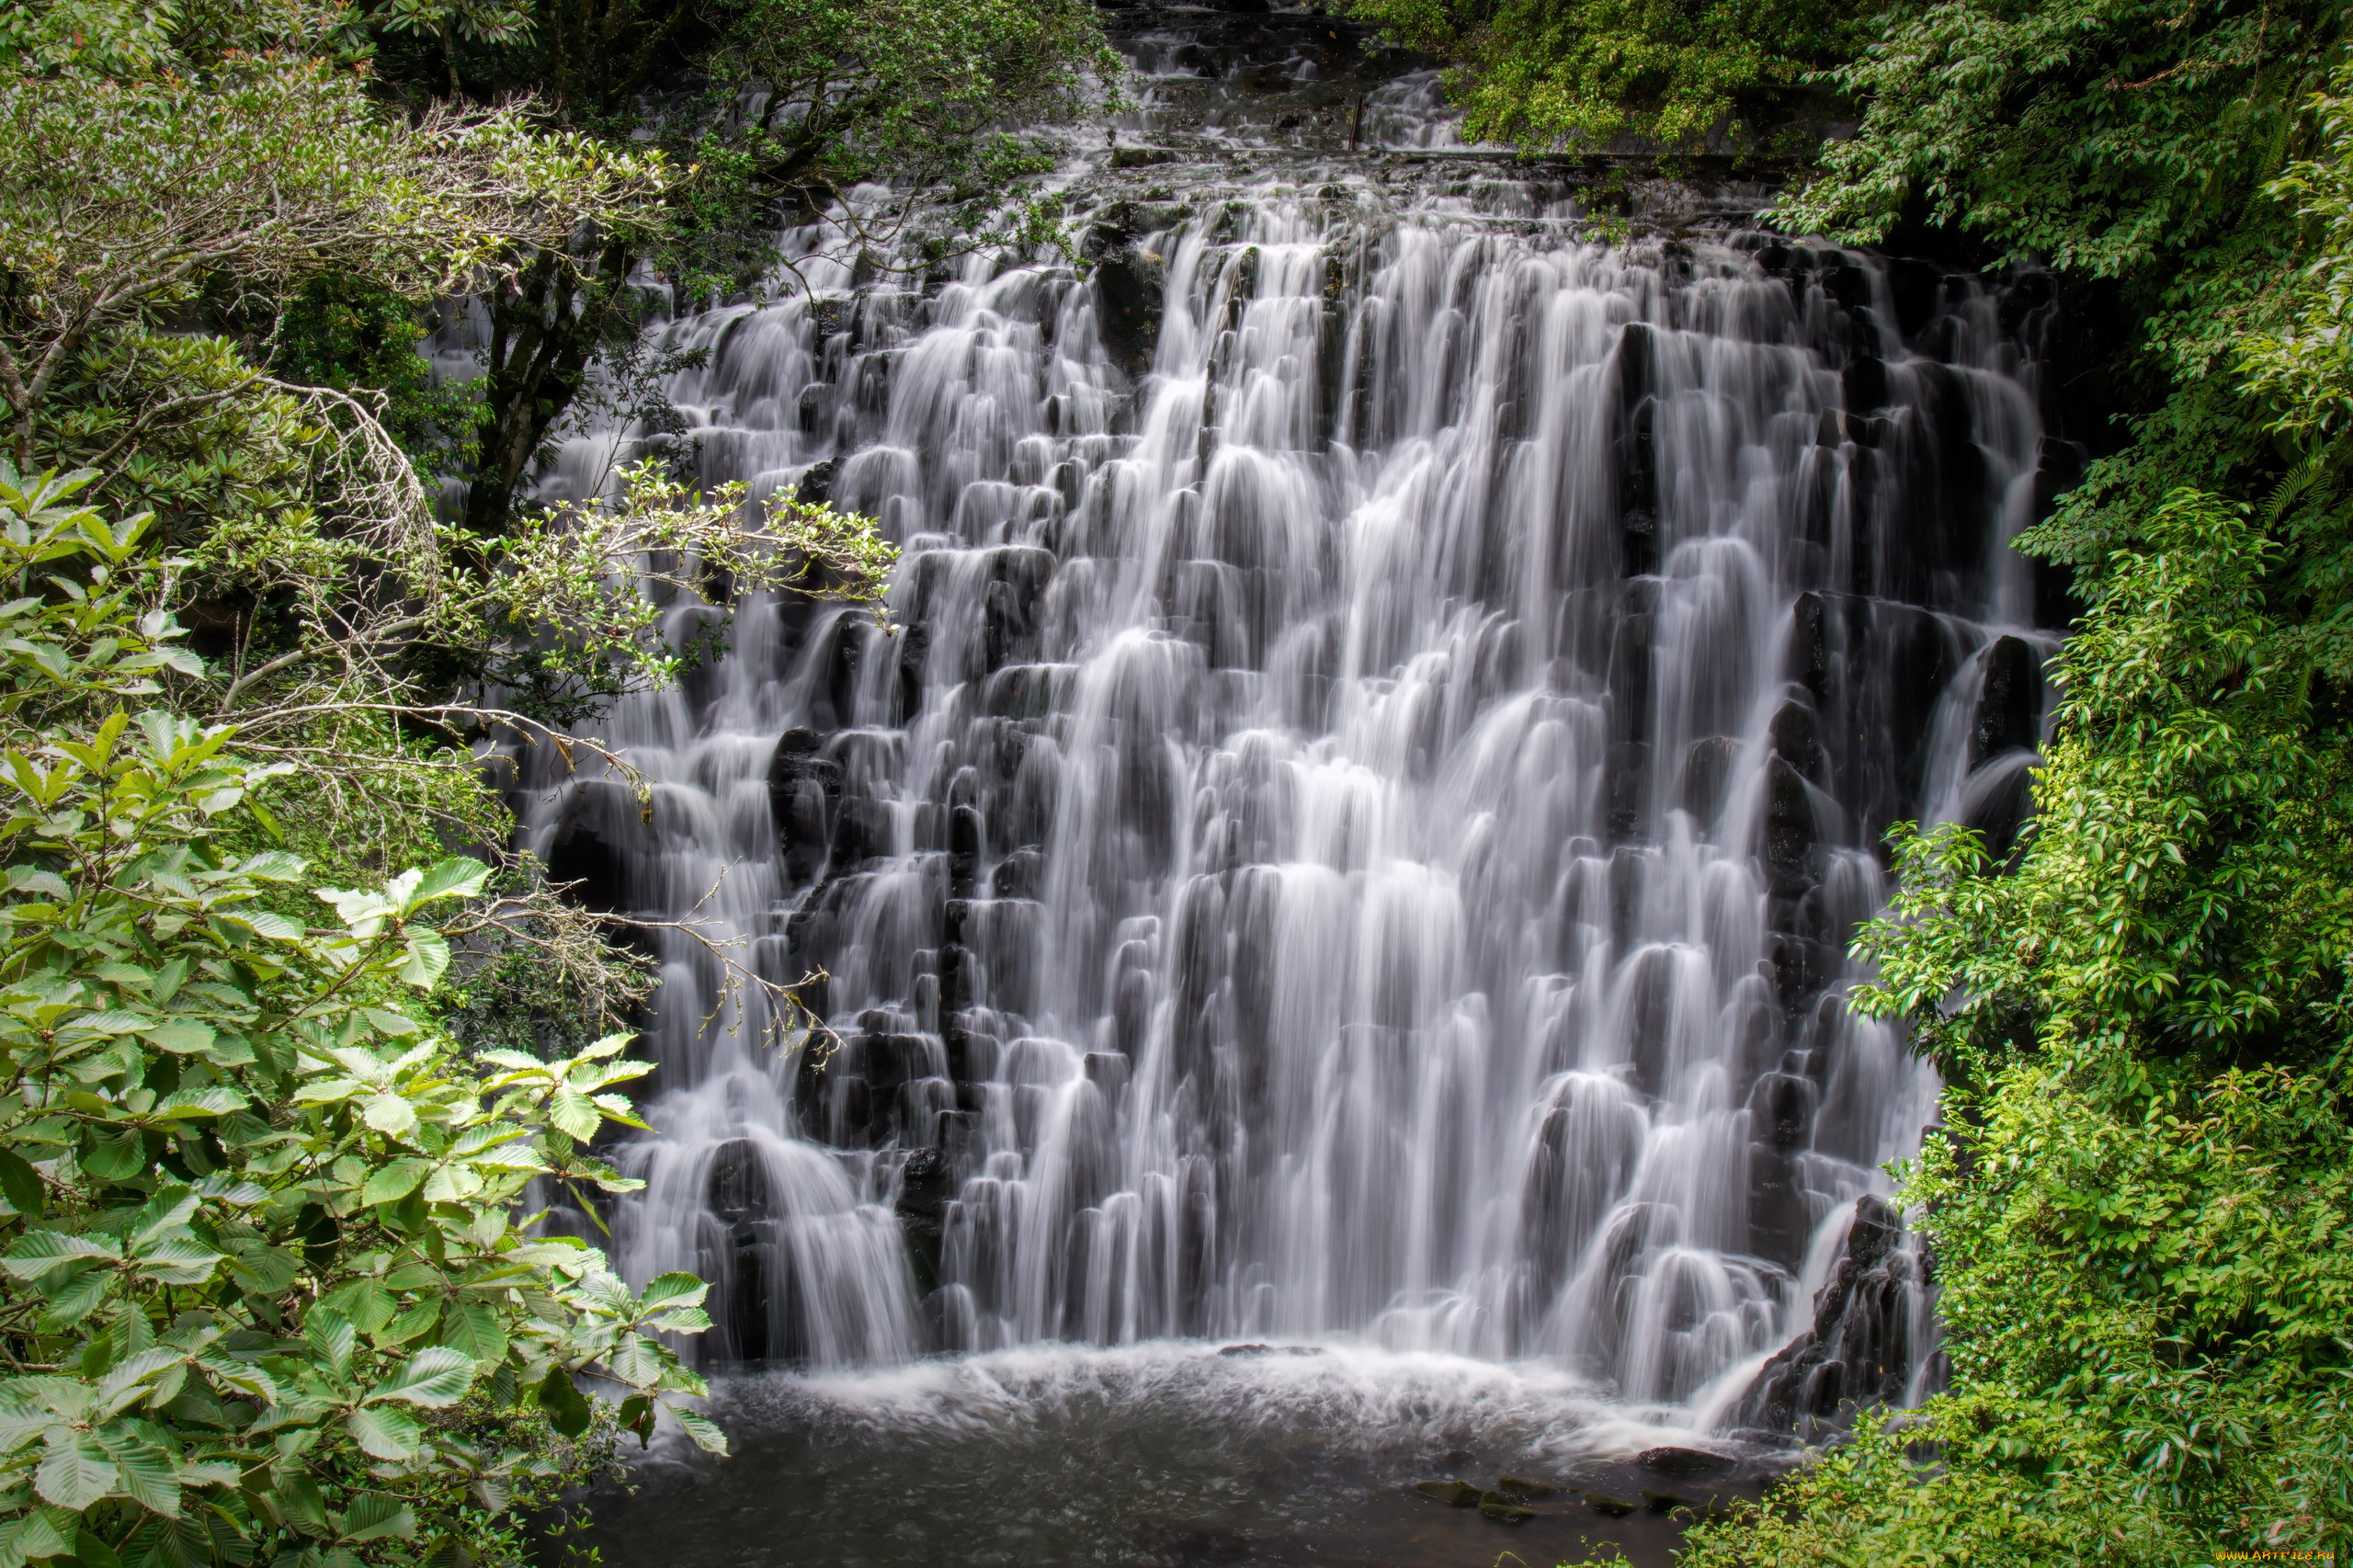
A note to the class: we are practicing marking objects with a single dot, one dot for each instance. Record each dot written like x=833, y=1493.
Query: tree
x=2141, y=1206
x=277, y=1103
x=1579, y=76
x=265, y=1285
x=926, y=94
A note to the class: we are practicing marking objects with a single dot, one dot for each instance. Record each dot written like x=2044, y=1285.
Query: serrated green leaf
x=568, y=1411
x=573, y=1114
x=372, y=1516
x=703, y=1430
x=180, y=1039
x=665, y=1292
x=38, y=1252
x=396, y=1180
x=635, y=1361
x=145, y=1472
x=418, y=1320
x=366, y=1302
x=22, y=1185
x=456, y=876
x=435, y=1377
x=332, y=1339
x=390, y=1114
x=475, y=1327
x=75, y=1472
x=424, y=959
x=385, y=1431
x=116, y=1157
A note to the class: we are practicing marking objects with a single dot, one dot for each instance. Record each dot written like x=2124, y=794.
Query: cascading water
x=1353, y=830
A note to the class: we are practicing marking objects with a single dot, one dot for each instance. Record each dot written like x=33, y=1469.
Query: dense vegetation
x=2141, y=1202
x=290, y=1047
x=292, y=1050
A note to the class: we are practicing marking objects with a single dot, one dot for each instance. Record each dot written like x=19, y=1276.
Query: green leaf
x=703, y=1430
x=573, y=1114
x=419, y=1319
x=567, y=1409
x=368, y=1304
x=38, y=1252
x=390, y=1114
x=115, y=1158
x=146, y=1473
x=372, y=1516
x=435, y=1377
x=385, y=1431
x=21, y=1184
x=180, y=1039
x=332, y=1337
x=89, y=1551
x=181, y=1260
x=665, y=1292
x=75, y=1472
x=473, y=1328
x=635, y=1361
x=456, y=876
x=424, y=959
x=396, y=1180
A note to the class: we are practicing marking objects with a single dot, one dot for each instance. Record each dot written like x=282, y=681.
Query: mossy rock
x=1603, y=1502
x=1517, y=1487
x=1502, y=1510
x=1456, y=1493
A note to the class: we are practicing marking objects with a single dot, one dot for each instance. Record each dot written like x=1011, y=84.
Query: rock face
x=1337, y=674
x=1131, y=285
x=1859, y=1349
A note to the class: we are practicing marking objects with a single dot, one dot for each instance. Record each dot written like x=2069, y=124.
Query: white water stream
x=1353, y=831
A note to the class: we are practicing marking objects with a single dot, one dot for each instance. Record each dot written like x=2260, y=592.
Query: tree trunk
x=545, y=329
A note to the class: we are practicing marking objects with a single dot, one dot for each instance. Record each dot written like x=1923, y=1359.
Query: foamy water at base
x=1176, y=1452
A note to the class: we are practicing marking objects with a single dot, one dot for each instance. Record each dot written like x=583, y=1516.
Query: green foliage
x=1575, y=75
x=914, y=93
x=2140, y=1205
x=2096, y=135
x=359, y=338
x=267, y=1287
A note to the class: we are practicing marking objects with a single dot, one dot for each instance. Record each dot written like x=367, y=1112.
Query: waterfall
x=1352, y=829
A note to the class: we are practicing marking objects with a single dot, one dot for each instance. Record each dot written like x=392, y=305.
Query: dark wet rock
x=734, y=1254
x=1797, y=740
x=861, y=832
x=1606, y=1503
x=804, y=787
x=1131, y=288
x=1141, y=158
x=1627, y=776
x=1780, y=1112
x=1789, y=830
x=601, y=841
x=1811, y=658
x=927, y=1184
x=1456, y=1493
x=2009, y=705
x=1685, y=1461
x=1780, y=1220
x=1250, y=1352
x=1515, y=1486
x=1864, y=384
x=1502, y=1510
x=1707, y=769
x=1857, y=1350
x=1659, y=1502
x=816, y=486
